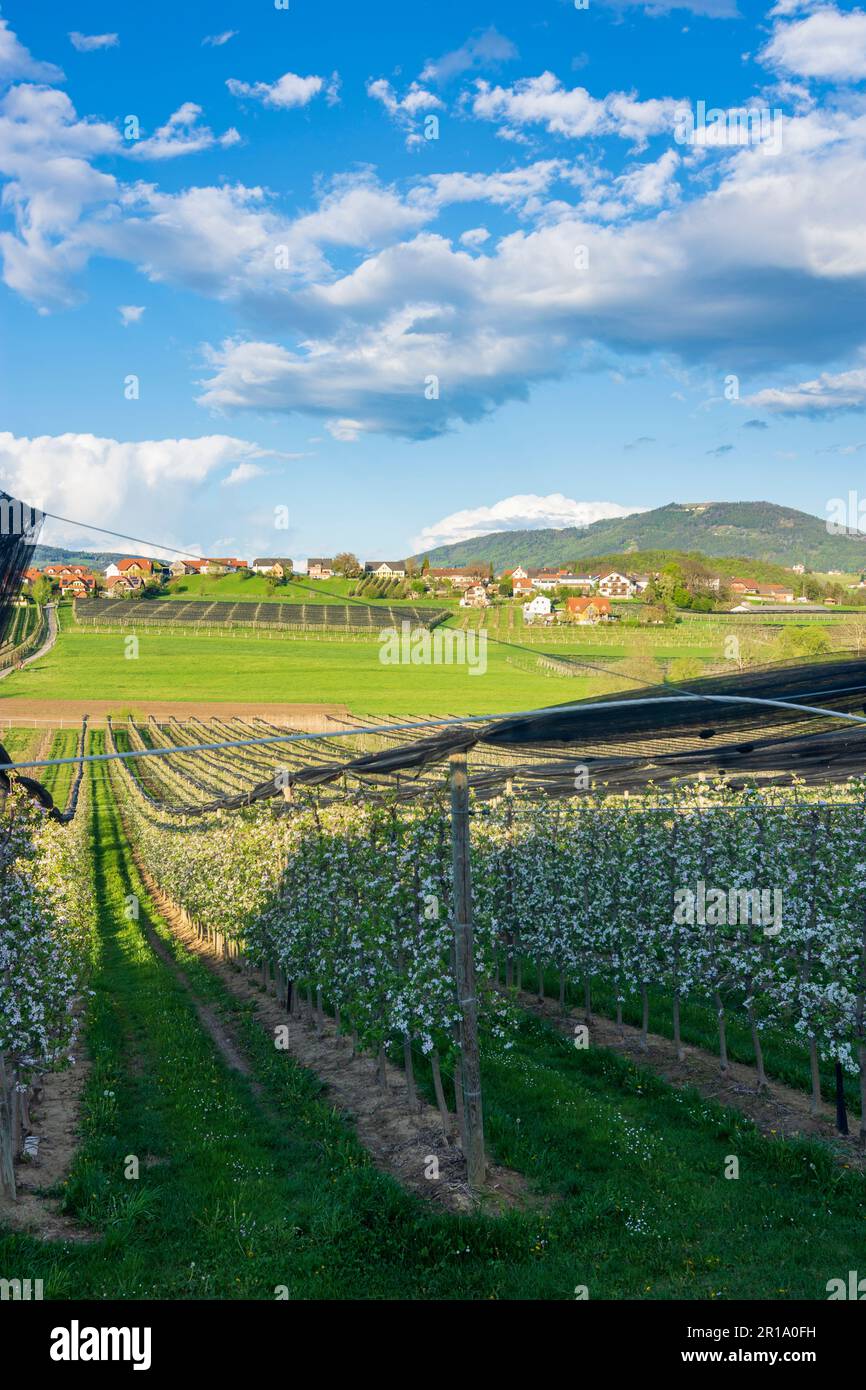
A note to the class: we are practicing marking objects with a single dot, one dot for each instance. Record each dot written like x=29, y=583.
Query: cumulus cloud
x=91, y=43
x=482, y=50
x=369, y=302
x=571, y=112
x=183, y=133
x=16, y=62
x=105, y=481
x=130, y=313
x=720, y=451
x=828, y=394
x=288, y=92
x=474, y=237
x=243, y=473
x=828, y=44
x=408, y=110
x=526, y=512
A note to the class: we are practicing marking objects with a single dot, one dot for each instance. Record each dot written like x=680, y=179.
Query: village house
x=459, y=577
x=386, y=569
x=641, y=582
x=538, y=609
x=588, y=610
x=320, y=568
x=119, y=584
x=564, y=579
x=77, y=585
x=475, y=597
x=31, y=576
x=743, y=586
x=776, y=593
x=220, y=565
x=138, y=567
x=276, y=566
x=521, y=582
x=615, y=585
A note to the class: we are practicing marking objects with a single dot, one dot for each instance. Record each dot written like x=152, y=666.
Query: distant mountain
x=759, y=530
x=94, y=559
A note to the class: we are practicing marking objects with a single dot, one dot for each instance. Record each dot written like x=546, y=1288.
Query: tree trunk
x=7, y=1142
x=458, y=1100
x=759, y=1055
x=444, y=1112
x=409, y=1069
x=678, y=1042
x=841, y=1108
x=723, y=1034
x=644, y=1026
x=815, y=1070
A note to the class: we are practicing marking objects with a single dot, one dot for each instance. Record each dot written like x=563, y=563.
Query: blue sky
x=572, y=295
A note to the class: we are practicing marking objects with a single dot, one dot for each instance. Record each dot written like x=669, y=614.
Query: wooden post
x=464, y=958
x=7, y=1133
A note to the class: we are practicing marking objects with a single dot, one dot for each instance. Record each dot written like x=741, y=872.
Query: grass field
x=301, y=667
x=85, y=665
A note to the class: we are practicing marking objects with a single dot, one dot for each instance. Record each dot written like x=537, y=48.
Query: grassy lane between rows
x=786, y=1057
x=241, y=1192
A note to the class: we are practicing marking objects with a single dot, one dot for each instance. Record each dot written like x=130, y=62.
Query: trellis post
x=464, y=958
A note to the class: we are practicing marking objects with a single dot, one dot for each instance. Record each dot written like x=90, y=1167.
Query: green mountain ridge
x=757, y=530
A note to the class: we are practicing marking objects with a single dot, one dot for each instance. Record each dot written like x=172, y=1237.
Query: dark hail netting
x=19, y=531
x=717, y=725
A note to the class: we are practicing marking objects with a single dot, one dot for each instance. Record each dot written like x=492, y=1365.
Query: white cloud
x=217, y=40
x=107, y=481
x=827, y=44
x=374, y=301
x=91, y=43
x=482, y=50
x=346, y=431
x=16, y=62
x=474, y=237
x=288, y=92
x=243, y=473
x=571, y=112
x=130, y=313
x=828, y=394
x=527, y=512
x=406, y=111
x=182, y=134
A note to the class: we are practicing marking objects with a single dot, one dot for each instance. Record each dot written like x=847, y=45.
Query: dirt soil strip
x=54, y=1116
x=314, y=719
x=780, y=1113
x=399, y=1142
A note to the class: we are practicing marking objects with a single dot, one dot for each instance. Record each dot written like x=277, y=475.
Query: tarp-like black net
x=20, y=525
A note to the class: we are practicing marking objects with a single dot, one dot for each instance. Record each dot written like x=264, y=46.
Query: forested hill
x=94, y=559
x=762, y=530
